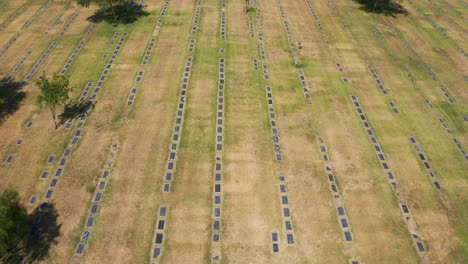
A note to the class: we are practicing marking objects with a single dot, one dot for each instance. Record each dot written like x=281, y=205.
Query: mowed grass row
x=30, y=158
x=450, y=168
x=124, y=229
x=251, y=202
x=421, y=119
x=190, y=197
x=303, y=125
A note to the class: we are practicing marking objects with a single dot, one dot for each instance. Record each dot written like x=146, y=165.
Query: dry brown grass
x=124, y=229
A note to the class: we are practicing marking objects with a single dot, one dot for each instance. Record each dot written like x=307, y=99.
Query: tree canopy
x=54, y=92
x=101, y=3
x=13, y=222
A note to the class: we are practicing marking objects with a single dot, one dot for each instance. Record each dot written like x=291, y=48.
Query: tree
x=110, y=4
x=54, y=93
x=14, y=223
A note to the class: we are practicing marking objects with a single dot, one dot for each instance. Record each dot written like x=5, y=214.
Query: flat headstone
x=32, y=200
x=420, y=246
x=159, y=238
x=348, y=236
x=79, y=249
x=94, y=208
x=162, y=211
x=44, y=174
x=156, y=252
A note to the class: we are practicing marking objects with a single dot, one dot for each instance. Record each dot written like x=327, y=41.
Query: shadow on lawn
x=11, y=97
x=74, y=110
x=40, y=231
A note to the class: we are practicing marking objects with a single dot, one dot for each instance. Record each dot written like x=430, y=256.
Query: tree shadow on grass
x=125, y=13
x=385, y=7
x=10, y=97
x=74, y=110
x=34, y=246
x=44, y=233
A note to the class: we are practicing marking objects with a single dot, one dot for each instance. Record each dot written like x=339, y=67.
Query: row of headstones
x=251, y=27
x=223, y=25
x=133, y=91
x=218, y=166
x=178, y=122
x=269, y=95
x=77, y=49
x=429, y=103
x=10, y=158
x=284, y=201
x=341, y=70
x=78, y=132
x=67, y=65
x=416, y=56
x=96, y=200
x=305, y=86
x=191, y=45
x=286, y=210
x=35, y=16
x=410, y=77
x=159, y=232
x=311, y=9
x=164, y=9
x=454, y=139
x=314, y=15
x=393, y=107
x=273, y=125
x=69, y=23
x=15, y=15
x=377, y=33
x=300, y=71
x=103, y=76
x=39, y=62
x=286, y=26
x=56, y=20
x=289, y=37
x=405, y=211
x=265, y=72
x=72, y=57
x=157, y=27
x=447, y=96
x=196, y=18
x=425, y=163
x=9, y=44
x=376, y=78
x=440, y=30
x=331, y=5
x=261, y=44
x=18, y=66
x=177, y=131
x=342, y=217
x=275, y=242
x=150, y=47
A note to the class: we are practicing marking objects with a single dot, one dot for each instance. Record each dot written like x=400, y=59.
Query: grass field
x=334, y=43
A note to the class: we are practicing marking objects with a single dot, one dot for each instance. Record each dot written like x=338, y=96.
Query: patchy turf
x=402, y=48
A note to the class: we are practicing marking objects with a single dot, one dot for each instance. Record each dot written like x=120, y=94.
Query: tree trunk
x=111, y=6
x=375, y=5
x=52, y=111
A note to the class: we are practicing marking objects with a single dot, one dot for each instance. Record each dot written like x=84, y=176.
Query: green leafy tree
x=103, y=4
x=54, y=93
x=14, y=224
